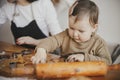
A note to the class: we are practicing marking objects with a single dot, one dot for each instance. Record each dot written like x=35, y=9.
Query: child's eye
x=71, y=28
x=81, y=31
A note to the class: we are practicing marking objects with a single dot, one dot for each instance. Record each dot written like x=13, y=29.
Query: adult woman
x=30, y=20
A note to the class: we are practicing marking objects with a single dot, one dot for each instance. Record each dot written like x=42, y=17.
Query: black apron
x=31, y=30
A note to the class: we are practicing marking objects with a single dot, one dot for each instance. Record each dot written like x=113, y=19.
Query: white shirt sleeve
x=51, y=18
x=3, y=16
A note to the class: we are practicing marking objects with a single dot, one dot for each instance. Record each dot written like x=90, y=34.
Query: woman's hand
x=27, y=40
x=40, y=56
x=75, y=58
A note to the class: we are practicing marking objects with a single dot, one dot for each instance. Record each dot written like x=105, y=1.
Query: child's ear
x=71, y=10
x=95, y=27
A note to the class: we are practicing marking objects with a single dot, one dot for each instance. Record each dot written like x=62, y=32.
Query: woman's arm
x=51, y=18
x=3, y=16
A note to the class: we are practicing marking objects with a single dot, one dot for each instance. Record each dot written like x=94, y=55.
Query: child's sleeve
x=51, y=43
x=101, y=53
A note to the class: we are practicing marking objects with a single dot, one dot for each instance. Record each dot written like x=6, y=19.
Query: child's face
x=80, y=30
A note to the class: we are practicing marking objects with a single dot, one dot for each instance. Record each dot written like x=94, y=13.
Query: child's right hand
x=40, y=56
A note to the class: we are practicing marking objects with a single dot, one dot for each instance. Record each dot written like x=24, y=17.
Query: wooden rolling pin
x=64, y=70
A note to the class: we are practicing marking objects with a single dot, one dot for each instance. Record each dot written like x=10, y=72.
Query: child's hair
x=83, y=7
x=15, y=1
x=30, y=1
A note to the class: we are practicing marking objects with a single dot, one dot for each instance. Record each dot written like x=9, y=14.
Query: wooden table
x=10, y=47
x=112, y=74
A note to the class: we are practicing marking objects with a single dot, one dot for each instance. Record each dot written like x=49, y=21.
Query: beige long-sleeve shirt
x=94, y=49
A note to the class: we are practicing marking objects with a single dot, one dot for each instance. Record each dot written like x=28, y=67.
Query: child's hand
x=75, y=58
x=26, y=40
x=40, y=56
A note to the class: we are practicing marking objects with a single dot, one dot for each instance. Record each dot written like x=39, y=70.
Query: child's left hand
x=75, y=58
